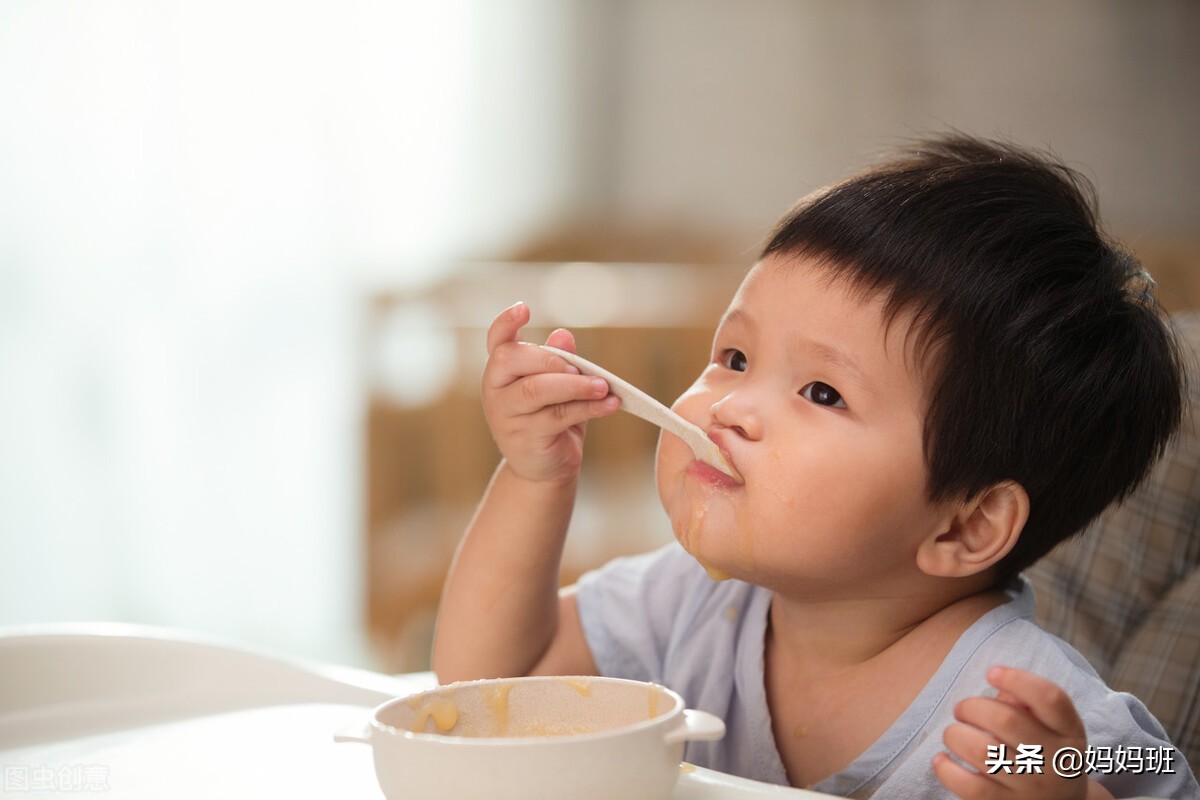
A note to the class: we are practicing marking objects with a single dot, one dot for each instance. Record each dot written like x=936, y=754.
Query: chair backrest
x=1126, y=593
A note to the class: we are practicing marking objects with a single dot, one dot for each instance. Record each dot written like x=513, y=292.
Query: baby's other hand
x=1011, y=740
x=535, y=403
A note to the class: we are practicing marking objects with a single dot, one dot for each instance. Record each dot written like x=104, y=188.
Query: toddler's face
x=820, y=407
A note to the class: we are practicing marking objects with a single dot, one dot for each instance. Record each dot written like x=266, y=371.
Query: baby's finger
x=1006, y=697
x=1010, y=724
x=563, y=339
x=963, y=782
x=533, y=393
x=567, y=415
x=553, y=420
x=512, y=361
x=507, y=325
x=1046, y=701
x=970, y=744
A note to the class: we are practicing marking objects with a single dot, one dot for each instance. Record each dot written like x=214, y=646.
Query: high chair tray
x=135, y=712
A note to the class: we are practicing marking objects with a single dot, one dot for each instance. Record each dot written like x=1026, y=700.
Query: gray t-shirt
x=658, y=617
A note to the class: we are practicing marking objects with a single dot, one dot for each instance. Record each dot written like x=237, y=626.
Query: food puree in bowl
x=441, y=711
x=564, y=706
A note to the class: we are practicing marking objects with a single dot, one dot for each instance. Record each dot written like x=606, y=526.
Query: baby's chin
x=689, y=517
x=715, y=573
x=685, y=538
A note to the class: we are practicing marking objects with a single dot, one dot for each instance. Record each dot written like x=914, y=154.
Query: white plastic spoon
x=640, y=404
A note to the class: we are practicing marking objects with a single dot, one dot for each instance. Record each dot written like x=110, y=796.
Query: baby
x=938, y=370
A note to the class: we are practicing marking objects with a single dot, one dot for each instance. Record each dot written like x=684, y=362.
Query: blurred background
x=248, y=251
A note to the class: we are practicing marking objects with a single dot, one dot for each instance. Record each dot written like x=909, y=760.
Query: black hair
x=1048, y=361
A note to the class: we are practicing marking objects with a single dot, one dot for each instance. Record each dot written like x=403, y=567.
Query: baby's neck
x=838, y=674
x=820, y=637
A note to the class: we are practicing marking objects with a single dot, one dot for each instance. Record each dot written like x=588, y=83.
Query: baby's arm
x=501, y=613
x=1029, y=710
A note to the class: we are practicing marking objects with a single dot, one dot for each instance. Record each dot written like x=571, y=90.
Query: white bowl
x=532, y=738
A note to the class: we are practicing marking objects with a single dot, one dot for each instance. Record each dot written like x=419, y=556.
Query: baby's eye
x=823, y=395
x=734, y=360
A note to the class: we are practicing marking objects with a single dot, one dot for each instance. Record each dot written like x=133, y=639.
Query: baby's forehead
x=906, y=333
x=810, y=285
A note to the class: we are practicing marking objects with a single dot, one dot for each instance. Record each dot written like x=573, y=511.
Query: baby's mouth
x=710, y=475
x=717, y=437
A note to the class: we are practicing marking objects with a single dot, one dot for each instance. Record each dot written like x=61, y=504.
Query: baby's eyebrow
x=736, y=316
x=836, y=358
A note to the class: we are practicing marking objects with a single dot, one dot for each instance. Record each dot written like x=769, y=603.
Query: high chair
x=1126, y=594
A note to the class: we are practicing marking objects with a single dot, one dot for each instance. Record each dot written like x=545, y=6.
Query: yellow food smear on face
x=688, y=533
x=583, y=687
x=785, y=498
x=441, y=710
x=694, y=523
x=495, y=697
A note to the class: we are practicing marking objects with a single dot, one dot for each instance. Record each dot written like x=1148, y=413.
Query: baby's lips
x=717, y=436
x=736, y=475
x=733, y=470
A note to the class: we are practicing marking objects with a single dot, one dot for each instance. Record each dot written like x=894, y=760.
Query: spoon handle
x=642, y=405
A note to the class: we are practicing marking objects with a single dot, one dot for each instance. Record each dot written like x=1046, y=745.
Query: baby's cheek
x=696, y=401
x=670, y=461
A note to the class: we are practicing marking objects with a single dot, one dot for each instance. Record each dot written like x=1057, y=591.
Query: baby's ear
x=981, y=533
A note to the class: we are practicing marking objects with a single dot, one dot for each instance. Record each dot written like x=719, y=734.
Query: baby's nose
x=737, y=413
